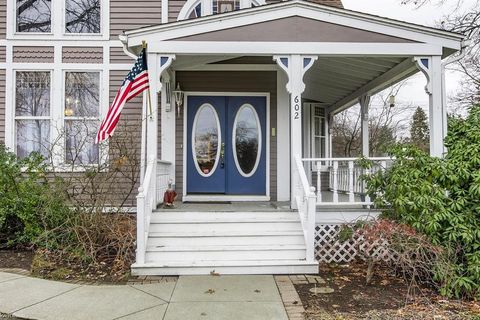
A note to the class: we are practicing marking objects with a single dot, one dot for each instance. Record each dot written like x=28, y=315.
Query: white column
x=436, y=111
x=364, y=106
x=431, y=67
x=283, y=134
x=295, y=66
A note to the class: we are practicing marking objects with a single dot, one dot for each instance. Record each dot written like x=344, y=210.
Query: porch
x=303, y=80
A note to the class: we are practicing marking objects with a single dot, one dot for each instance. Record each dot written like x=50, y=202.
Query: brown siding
x=226, y=81
x=82, y=54
x=2, y=106
x=129, y=15
x=118, y=56
x=3, y=19
x=33, y=54
x=294, y=29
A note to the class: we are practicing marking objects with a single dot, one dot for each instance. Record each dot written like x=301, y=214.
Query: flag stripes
x=134, y=84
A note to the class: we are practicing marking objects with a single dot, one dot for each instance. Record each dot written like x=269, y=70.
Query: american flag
x=134, y=84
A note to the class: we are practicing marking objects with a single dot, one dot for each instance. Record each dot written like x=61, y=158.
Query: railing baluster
x=351, y=197
x=335, y=181
x=319, y=182
x=367, y=197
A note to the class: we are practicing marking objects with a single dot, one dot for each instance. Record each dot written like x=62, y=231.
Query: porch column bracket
x=364, y=106
x=424, y=65
x=295, y=66
x=165, y=61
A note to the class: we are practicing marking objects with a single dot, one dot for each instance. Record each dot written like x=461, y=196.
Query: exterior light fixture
x=178, y=95
x=391, y=101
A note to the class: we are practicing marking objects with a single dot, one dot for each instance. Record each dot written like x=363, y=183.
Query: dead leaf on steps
x=213, y=273
x=210, y=291
x=203, y=314
x=257, y=291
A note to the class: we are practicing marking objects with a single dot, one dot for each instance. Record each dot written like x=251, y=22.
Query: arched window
x=197, y=8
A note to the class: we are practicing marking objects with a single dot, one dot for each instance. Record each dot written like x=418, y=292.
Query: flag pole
x=149, y=99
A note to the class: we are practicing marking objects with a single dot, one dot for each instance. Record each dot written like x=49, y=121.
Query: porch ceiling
x=337, y=82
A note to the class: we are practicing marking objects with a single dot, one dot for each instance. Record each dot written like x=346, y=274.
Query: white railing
x=346, y=185
x=163, y=178
x=146, y=203
x=306, y=203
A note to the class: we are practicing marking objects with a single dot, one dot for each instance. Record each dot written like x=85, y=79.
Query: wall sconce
x=391, y=101
x=178, y=94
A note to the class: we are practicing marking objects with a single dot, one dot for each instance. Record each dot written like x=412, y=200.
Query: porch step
x=226, y=267
x=225, y=252
x=252, y=242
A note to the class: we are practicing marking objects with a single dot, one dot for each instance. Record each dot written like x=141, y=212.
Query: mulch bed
x=387, y=297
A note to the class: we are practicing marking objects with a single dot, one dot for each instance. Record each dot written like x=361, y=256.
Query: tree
x=465, y=19
x=419, y=132
x=386, y=126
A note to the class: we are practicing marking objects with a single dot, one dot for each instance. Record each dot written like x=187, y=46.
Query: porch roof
x=358, y=53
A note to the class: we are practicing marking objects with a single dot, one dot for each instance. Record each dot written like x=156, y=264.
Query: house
x=242, y=95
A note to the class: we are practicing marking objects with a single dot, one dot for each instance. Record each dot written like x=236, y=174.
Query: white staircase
x=181, y=243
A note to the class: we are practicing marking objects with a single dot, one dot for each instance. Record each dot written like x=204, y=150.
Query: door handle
x=222, y=156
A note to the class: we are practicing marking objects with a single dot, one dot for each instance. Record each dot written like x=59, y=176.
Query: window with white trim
x=82, y=17
x=81, y=117
x=319, y=138
x=33, y=16
x=32, y=112
x=69, y=141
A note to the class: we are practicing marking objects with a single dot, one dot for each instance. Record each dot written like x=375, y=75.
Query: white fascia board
x=296, y=8
x=310, y=48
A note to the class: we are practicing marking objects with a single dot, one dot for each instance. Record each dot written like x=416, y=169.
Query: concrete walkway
x=190, y=297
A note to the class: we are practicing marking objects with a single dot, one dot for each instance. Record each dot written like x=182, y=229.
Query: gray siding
x=3, y=19
x=128, y=15
x=2, y=105
x=33, y=54
x=82, y=55
x=127, y=135
x=3, y=56
x=174, y=7
x=226, y=81
x=118, y=56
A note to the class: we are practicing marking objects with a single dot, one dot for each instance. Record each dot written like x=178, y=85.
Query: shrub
x=441, y=199
x=29, y=203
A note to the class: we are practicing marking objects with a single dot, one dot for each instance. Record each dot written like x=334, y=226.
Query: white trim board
x=265, y=197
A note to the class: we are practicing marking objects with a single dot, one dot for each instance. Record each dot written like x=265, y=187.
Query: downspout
x=143, y=147
x=457, y=58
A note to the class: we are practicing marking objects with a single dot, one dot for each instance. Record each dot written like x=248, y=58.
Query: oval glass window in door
x=206, y=139
x=247, y=140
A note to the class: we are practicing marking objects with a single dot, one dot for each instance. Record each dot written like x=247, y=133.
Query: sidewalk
x=190, y=297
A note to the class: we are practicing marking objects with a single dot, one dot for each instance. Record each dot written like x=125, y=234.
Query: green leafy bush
x=30, y=204
x=441, y=199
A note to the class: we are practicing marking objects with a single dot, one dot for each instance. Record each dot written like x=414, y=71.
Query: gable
x=294, y=29
x=331, y=3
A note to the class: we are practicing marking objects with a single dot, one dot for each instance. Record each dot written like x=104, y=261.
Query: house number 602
x=296, y=107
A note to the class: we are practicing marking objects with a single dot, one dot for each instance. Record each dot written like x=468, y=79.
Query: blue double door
x=226, y=145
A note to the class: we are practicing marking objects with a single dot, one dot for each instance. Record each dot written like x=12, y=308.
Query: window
x=33, y=16
x=82, y=16
x=32, y=112
x=81, y=113
x=318, y=132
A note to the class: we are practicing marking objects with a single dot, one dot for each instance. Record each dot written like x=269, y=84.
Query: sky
x=428, y=15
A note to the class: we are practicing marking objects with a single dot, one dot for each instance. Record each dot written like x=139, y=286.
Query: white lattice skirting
x=329, y=249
